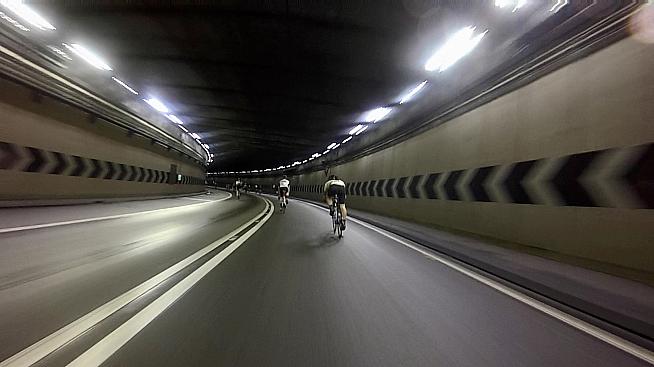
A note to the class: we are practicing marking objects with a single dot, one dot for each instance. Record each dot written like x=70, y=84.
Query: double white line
x=103, y=349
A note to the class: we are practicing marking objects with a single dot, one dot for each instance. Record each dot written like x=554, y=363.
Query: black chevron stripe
x=513, y=182
x=111, y=170
x=122, y=172
x=357, y=188
x=156, y=176
x=389, y=187
x=450, y=185
x=429, y=186
x=80, y=166
x=61, y=165
x=401, y=187
x=132, y=172
x=97, y=168
x=38, y=160
x=371, y=188
x=477, y=184
x=566, y=181
x=413, y=187
x=142, y=174
x=9, y=155
x=640, y=177
x=148, y=175
x=166, y=177
x=380, y=188
x=364, y=188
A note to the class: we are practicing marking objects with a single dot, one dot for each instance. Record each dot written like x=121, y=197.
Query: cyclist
x=284, y=189
x=238, y=185
x=335, y=187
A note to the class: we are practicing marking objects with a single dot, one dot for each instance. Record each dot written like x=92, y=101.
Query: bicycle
x=238, y=194
x=283, y=201
x=337, y=217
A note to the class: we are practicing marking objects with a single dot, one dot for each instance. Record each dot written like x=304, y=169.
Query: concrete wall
x=51, y=151
x=565, y=164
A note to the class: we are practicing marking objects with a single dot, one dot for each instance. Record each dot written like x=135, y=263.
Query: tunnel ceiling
x=269, y=82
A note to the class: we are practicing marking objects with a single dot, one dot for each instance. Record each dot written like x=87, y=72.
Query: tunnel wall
x=565, y=164
x=50, y=151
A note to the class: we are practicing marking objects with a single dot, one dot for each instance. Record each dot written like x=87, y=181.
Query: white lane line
x=590, y=329
x=59, y=338
x=197, y=199
x=96, y=219
x=106, y=347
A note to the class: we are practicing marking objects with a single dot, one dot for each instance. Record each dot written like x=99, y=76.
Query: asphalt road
x=290, y=295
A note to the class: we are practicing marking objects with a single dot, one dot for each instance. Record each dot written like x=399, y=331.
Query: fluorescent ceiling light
x=183, y=128
x=326, y=151
x=336, y=146
x=175, y=119
x=558, y=5
x=355, y=129
x=407, y=97
x=457, y=46
x=331, y=146
x=517, y=4
x=196, y=136
x=13, y=22
x=27, y=14
x=205, y=145
x=346, y=140
x=305, y=161
x=124, y=85
x=88, y=56
x=362, y=130
x=377, y=114
x=316, y=155
x=157, y=105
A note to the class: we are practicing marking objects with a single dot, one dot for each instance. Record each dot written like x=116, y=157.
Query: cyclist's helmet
x=333, y=177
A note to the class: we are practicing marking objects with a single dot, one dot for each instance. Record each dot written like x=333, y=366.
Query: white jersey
x=285, y=183
x=333, y=183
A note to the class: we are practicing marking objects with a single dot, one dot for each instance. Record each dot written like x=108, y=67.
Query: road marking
x=590, y=329
x=197, y=199
x=59, y=338
x=96, y=219
x=106, y=347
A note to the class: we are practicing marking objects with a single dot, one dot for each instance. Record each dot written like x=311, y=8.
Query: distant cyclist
x=284, y=190
x=238, y=186
x=334, y=187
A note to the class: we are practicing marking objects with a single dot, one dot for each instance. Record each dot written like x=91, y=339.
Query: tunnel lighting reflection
x=13, y=22
x=88, y=56
x=316, y=155
x=124, y=85
x=157, y=105
x=407, y=97
x=558, y=5
x=183, y=128
x=325, y=152
x=331, y=146
x=355, y=129
x=175, y=119
x=517, y=4
x=346, y=140
x=377, y=114
x=305, y=161
x=456, y=47
x=206, y=146
x=362, y=130
x=196, y=136
x=27, y=14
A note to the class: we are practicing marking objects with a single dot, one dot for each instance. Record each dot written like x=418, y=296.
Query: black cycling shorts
x=337, y=191
x=283, y=191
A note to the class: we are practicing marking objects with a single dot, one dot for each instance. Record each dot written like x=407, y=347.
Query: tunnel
x=326, y=183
